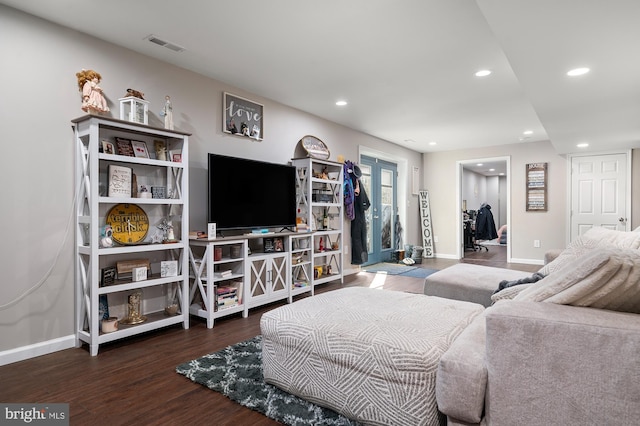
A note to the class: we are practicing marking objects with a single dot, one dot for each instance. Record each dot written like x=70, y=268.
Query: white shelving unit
x=92, y=206
x=225, y=261
x=320, y=194
x=261, y=275
x=301, y=249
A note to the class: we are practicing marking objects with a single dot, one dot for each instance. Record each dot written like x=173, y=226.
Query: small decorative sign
x=119, y=181
x=126, y=266
x=107, y=276
x=242, y=117
x=139, y=273
x=158, y=191
x=168, y=268
x=537, y=187
x=314, y=147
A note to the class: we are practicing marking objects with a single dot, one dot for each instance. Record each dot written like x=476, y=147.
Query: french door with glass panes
x=379, y=178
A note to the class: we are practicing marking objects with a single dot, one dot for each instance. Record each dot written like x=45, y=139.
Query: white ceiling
x=406, y=67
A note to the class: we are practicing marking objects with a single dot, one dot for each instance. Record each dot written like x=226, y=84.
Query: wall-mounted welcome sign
x=242, y=117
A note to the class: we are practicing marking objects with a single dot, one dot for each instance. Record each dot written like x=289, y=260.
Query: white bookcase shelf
x=319, y=194
x=92, y=205
x=225, y=261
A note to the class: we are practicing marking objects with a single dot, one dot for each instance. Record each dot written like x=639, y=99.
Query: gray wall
x=548, y=227
x=40, y=97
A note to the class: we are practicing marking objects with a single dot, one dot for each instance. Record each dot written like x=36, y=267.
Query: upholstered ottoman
x=471, y=283
x=371, y=355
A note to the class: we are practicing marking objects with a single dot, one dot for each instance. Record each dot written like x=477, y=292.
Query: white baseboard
x=31, y=351
x=446, y=256
x=528, y=261
x=351, y=271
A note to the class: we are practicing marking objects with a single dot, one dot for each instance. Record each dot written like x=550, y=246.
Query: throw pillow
x=608, y=278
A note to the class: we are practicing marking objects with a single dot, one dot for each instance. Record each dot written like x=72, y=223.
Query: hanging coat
x=349, y=196
x=359, y=250
x=485, y=225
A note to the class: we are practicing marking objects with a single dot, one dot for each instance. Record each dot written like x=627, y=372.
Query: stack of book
x=226, y=297
x=302, y=227
x=224, y=273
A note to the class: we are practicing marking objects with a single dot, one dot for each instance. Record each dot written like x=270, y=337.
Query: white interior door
x=599, y=185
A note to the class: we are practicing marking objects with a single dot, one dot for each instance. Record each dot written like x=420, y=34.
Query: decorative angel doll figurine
x=167, y=113
x=93, y=100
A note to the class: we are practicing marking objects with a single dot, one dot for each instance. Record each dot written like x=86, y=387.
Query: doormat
x=389, y=268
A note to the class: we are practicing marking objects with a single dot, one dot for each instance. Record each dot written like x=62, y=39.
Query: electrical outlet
x=346, y=249
x=435, y=238
x=536, y=243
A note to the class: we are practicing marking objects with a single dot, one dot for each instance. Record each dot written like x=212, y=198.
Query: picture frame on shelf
x=278, y=244
x=108, y=147
x=124, y=147
x=268, y=245
x=175, y=155
x=140, y=149
x=242, y=117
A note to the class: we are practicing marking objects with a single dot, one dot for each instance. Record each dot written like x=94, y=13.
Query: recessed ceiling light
x=341, y=103
x=578, y=71
x=433, y=143
x=483, y=73
x=492, y=170
x=479, y=164
x=527, y=132
x=582, y=145
x=501, y=174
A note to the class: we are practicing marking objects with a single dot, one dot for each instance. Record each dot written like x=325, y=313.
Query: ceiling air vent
x=164, y=43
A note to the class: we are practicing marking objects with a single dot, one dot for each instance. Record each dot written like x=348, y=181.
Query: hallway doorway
x=483, y=181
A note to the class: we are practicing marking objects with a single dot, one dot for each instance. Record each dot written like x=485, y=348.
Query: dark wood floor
x=134, y=381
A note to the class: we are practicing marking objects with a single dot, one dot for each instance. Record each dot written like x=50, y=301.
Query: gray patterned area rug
x=236, y=372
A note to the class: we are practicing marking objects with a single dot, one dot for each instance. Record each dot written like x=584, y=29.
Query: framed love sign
x=242, y=117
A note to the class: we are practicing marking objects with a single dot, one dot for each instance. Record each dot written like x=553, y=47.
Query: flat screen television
x=250, y=194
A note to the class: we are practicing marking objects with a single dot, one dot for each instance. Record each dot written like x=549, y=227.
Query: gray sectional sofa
x=564, y=350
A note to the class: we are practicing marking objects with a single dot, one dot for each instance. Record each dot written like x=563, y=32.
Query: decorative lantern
x=134, y=109
x=133, y=308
